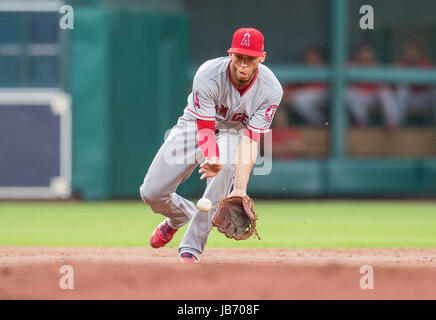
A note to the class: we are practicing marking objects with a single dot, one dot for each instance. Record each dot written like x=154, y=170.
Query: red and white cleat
x=187, y=257
x=162, y=235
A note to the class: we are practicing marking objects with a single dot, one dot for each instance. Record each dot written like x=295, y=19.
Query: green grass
x=282, y=224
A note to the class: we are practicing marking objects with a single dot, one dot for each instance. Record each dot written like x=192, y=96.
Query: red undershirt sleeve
x=252, y=135
x=206, y=138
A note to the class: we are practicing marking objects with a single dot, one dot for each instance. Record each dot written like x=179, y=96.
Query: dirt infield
x=143, y=273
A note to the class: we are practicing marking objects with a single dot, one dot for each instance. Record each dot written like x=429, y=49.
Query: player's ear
x=262, y=57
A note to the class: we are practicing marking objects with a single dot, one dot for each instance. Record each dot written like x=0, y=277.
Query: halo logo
x=246, y=40
x=269, y=113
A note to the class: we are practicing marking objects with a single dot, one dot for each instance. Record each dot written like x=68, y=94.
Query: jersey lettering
x=241, y=117
x=222, y=111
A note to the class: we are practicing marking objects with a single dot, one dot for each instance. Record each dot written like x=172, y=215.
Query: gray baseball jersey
x=214, y=96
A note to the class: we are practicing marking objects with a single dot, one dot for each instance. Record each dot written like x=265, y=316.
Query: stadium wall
x=128, y=71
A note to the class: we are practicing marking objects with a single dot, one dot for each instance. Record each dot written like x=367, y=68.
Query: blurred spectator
x=286, y=141
x=415, y=97
x=308, y=100
x=362, y=97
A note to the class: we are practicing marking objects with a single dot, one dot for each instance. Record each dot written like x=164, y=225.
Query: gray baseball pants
x=359, y=104
x=174, y=163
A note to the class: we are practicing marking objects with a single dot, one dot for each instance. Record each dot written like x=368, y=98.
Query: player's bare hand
x=210, y=168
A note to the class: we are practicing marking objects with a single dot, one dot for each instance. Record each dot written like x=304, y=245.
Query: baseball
x=204, y=205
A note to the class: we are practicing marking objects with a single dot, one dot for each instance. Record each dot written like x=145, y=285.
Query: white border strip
x=30, y=6
x=60, y=103
x=26, y=193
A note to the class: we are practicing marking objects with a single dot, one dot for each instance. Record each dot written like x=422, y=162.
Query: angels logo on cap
x=247, y=41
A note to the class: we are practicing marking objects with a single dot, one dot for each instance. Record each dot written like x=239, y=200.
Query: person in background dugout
x=286, y=141
x=415, y=97
x=310, y=100
x=362, y=97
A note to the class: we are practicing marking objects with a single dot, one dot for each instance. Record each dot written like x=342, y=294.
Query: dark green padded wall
x=149, y=92
x=128, y=86
x=90, y=87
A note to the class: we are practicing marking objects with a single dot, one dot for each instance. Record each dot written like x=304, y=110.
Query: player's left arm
x=245, y=160
x=248, y=147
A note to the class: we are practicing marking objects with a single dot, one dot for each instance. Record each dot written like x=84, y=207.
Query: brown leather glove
x=236, y=218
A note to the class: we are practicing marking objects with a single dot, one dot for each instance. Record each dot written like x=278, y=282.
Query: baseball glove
x=235, y=217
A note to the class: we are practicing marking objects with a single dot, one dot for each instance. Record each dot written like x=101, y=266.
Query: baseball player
x=310, y=100
x=362, y=97
x=233, y=101
x=415, y=97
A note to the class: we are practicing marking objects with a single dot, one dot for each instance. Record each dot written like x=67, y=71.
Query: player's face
x=366, y=55
x=412, y=52
x=244, y=67
x=313, y=57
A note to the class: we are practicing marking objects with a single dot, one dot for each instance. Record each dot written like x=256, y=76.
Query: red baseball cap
x=247, y=41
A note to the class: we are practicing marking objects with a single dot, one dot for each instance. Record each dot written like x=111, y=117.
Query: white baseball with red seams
x=204, y=205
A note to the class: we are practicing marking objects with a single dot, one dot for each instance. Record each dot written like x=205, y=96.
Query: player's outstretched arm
x=245, y=159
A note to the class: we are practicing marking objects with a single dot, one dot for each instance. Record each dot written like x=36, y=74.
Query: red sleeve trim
x=252, y=135
x=206, y=138
x=258, y=129
x=199, y=115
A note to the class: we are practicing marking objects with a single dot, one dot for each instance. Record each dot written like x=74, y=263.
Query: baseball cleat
x=162, y=235
x=187, y=257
